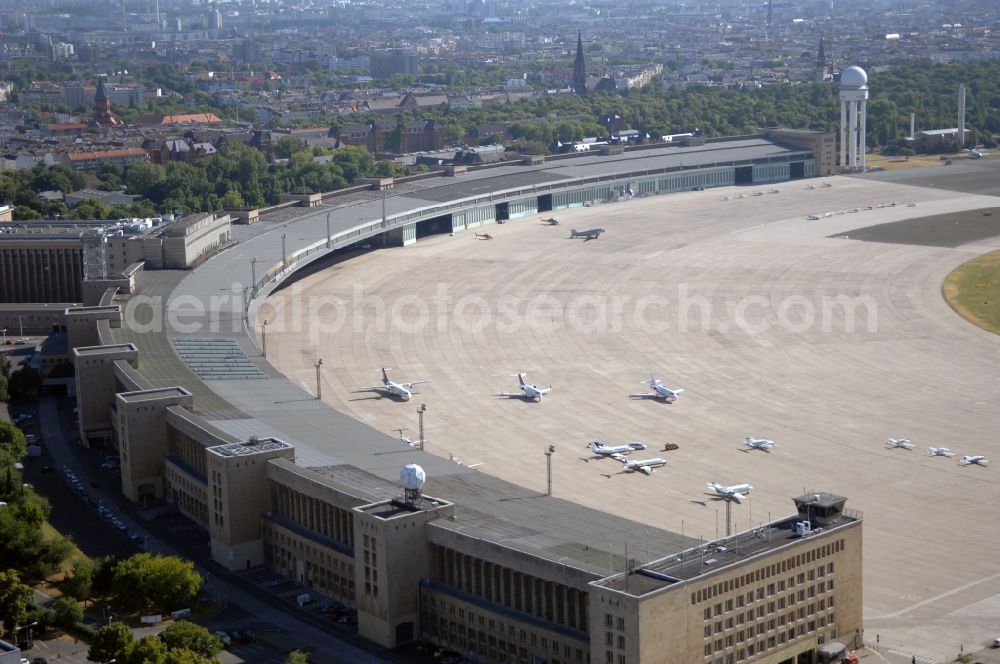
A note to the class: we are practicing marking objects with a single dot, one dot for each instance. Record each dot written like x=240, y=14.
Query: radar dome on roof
x=412, y=477
x=853, y=77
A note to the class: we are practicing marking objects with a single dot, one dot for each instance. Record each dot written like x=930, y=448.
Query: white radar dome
x=853, y=77
x=412, y=477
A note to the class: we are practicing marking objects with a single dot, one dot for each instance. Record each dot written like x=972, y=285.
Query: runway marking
x=931, y=600
x=923, y=660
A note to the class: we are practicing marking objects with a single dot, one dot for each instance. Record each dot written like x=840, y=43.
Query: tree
x=111, y=642
x=287, y=145
x=297, y=657
x=194, y=637
x=82, y=582
x=165, y=582
x=15, y=597
x=24, y=383
x=12, y=442
x=232, y=199
x=147, y=650
x=68, y=611
x=25, y=213
x=185, y=656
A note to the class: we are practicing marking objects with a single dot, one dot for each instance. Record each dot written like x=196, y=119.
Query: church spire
x=103, y=116
x=579, y=68
x=820, y=73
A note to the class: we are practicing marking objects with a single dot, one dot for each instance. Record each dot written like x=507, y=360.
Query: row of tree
x=181, y=643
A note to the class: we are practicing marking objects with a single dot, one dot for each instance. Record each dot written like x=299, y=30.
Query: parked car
x=225, y=638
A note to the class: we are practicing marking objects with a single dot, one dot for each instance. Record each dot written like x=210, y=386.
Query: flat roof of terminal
x=702, y=560
x=367, y=459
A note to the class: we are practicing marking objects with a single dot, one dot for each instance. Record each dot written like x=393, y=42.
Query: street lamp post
x=327, y=230
x=263, y=339
x=319, y=384
x=548, y=468
x=20, y=326
x=253, y=274
x=284, y=255
x=4, y=330
x=25, y=627
x=420, y=420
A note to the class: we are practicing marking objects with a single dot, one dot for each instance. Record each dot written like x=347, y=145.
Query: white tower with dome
x=853, y=118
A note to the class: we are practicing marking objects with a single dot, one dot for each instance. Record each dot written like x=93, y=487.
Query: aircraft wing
x=416, y=382
x=645, y=395
x=735, y=497
x=510, y=394
x=379, y=388
x=546, y=390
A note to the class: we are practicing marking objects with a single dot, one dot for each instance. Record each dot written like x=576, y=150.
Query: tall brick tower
x=103, y=117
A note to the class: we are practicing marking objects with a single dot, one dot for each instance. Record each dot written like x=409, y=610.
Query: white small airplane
x=899, y=442
x=977, y=459
x=812, y=217
x=645, y=466
x=528, y=391
x=602, y=449
x=734, y=492
x=406, y=440
x=660, y=391
x=390, y=387
x=455, y=459
x=759, y=443
x=940, y=451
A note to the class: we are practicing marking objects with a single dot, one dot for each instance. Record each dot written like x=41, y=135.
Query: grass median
x=973, y=290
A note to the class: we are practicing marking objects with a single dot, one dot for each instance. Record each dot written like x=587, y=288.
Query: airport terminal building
x=487, y=568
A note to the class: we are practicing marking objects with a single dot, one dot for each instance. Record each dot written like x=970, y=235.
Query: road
x=284, y=628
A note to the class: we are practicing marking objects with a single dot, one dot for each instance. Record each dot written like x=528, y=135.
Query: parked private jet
x=660, y=391
x=390, y=387
x=406, y=440
x=940, y=451
x=812, y=217
x=899, y=442
x=759, y=443
x=455, y=459
x=734, y=492
x=528, y=391
x=977, y=459
x=602, y=449
x=592, y=234
x=646, y=466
